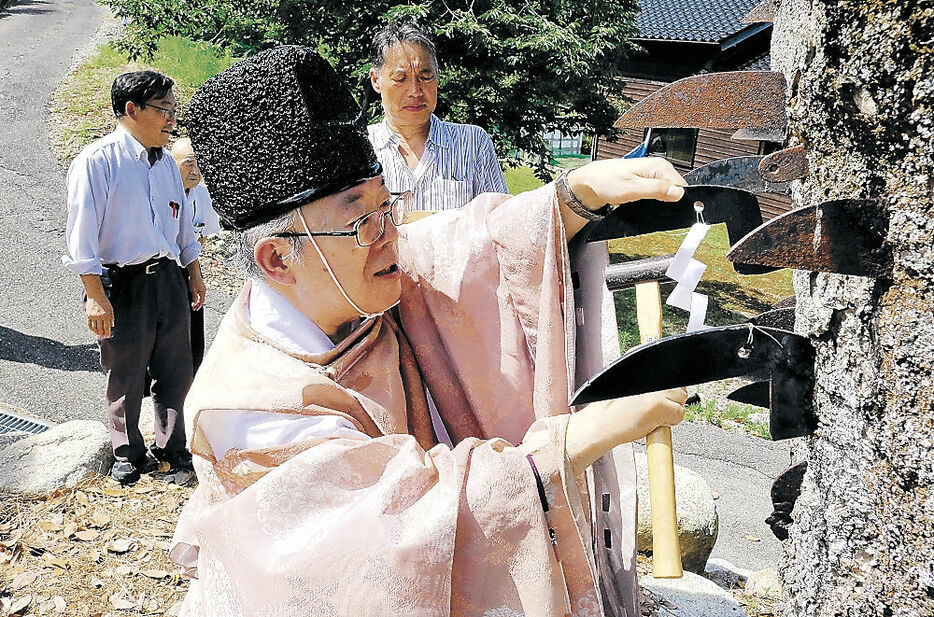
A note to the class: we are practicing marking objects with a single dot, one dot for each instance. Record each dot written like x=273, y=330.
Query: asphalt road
x=48, y=359
x=740, y=469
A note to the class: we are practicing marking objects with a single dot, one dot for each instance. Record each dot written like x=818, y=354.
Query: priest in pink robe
x=381, y=426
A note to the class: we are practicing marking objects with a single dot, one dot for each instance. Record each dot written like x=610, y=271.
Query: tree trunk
x=861, y=100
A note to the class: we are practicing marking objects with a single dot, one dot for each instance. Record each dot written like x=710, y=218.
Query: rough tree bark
x=861, y=99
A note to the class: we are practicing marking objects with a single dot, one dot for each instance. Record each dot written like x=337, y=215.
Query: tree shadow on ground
x=27, y=349
x=23, y=7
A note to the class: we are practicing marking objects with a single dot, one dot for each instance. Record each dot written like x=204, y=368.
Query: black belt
x=150, y=266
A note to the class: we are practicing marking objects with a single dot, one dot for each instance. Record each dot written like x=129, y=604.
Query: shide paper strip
x=688, y=271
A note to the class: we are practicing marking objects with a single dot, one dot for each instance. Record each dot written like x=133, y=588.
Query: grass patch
x=729, y=415
x=81, y=110
x=521, y=179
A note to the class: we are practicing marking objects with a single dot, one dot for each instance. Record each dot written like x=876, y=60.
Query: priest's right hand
x=599, y=427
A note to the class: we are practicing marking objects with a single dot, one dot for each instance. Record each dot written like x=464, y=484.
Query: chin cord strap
x=327, y=266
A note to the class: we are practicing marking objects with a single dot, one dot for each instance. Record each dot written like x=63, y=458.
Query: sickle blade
x=741, y=172
x=783, y=358
x=755, y=393
x=684, y=360
x=785, y=492
x=737, y=99
x=785, y=165
x=844, y=236
x=786, y=302
x=762, y=13
x=738, y=209
x=781, y=318
x=792, y=389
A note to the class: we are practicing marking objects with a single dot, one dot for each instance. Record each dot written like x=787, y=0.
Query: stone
x=690, y=596
x=60, y=457
x=697, y=515
x=724, y=573
x=764, y=583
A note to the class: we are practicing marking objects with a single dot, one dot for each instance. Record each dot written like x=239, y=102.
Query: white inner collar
x=277, y=319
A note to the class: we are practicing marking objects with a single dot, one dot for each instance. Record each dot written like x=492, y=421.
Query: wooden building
x=687, y=37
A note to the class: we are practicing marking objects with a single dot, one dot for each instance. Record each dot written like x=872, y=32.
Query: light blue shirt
x=459, y=163
x=202, y=211
x=123, y=211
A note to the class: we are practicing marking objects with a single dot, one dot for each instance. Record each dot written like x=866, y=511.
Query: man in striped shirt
x=444, y=164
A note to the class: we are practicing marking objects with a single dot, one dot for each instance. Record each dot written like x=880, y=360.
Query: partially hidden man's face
x=370, y=275
x=408, y=84
x=187, y=165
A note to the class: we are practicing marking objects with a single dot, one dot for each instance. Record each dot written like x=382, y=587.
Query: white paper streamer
x=688, y=271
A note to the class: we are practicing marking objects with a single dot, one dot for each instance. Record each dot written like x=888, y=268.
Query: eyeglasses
x=167, y=113
x=370, y=227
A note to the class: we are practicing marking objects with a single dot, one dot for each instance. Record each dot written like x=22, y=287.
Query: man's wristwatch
x=567, y=196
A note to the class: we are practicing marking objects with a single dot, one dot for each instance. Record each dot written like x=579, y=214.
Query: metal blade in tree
x=762, y=13
x=786, y=302
x=785, y=492
x=784, y=358
x=738, y=209
x=774, y=134
x=731, y=100
x=755, y=393
x=845, y=236
x=741, y=172
x=781, y=318
x=784, y=165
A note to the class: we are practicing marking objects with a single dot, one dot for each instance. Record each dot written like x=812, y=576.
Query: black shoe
x=125, y=472
x=180, y=460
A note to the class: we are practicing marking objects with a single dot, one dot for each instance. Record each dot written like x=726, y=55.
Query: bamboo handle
x=666, y=549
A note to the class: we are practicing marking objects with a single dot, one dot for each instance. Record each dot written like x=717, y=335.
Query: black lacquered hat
x=275, y=131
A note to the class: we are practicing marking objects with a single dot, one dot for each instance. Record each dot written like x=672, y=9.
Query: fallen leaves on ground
x=93, y=551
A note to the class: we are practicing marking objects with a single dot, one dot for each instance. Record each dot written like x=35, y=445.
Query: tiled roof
x=692, y=20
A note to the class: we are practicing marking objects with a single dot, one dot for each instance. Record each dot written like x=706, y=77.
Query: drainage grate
x=11, y=422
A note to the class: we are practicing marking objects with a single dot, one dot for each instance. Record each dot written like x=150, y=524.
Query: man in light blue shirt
x=129, y=228
x=444, y=164
x=206, y=224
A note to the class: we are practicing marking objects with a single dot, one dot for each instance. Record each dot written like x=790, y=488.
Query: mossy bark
x=861, y=100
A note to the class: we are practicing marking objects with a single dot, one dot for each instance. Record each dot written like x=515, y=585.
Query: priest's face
x=369, y=275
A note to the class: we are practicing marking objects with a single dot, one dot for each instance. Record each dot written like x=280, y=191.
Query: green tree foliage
x=515, y=67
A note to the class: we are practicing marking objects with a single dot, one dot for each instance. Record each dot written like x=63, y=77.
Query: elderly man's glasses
x=370, y=227
x=167, y=113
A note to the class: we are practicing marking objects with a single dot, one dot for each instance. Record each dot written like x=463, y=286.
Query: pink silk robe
x=395, y=524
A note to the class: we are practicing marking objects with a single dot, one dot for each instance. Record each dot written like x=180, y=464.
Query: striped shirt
x=459, y=163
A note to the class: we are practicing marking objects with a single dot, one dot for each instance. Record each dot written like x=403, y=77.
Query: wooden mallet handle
x=666, y=549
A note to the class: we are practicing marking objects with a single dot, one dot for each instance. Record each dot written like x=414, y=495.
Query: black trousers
x=197, y=330
x=196, y=319
x=150, y=337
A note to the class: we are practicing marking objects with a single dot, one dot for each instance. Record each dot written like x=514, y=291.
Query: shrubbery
x=514, y=67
